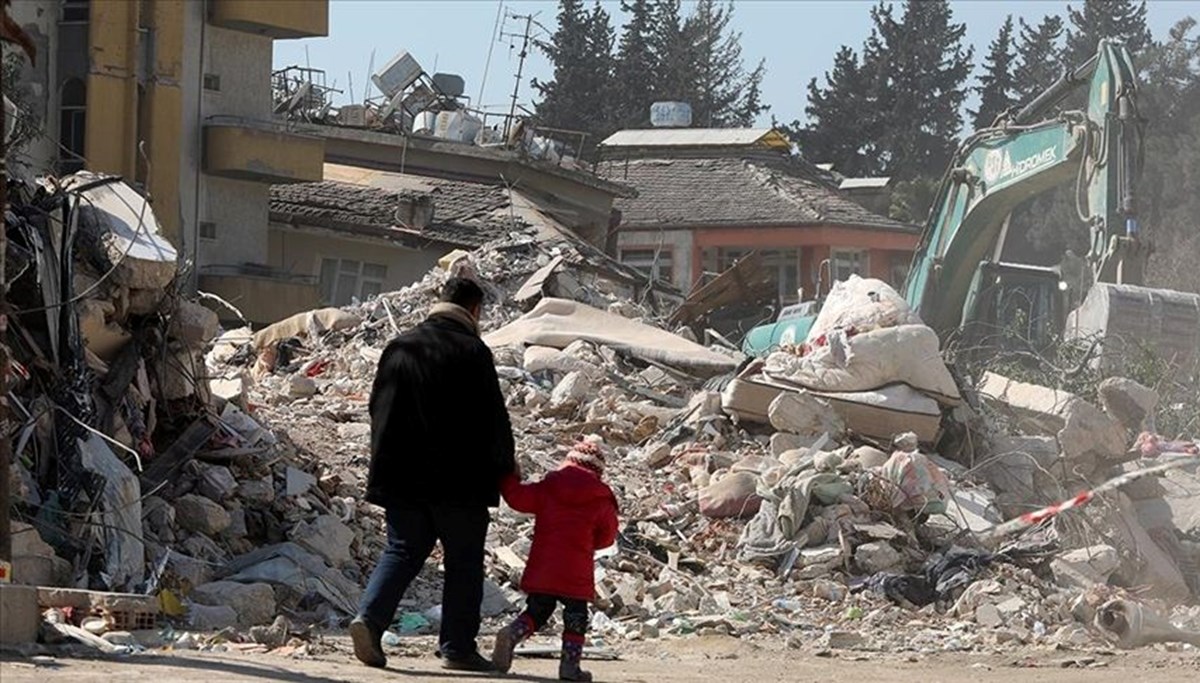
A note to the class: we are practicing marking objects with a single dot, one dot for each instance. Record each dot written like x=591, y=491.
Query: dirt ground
x=716, y=659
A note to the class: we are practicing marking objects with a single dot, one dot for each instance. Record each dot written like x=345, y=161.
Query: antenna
x=370, y=70
x=491, y=46
x=350, y=88
x=512, y=110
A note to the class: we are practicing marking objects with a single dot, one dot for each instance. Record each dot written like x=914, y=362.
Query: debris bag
x=861, y=304
x=920, y=485
x=908, y=354
x=734, y=495
x=943, y=578
x=777, y=528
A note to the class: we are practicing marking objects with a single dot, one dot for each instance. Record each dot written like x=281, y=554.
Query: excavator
x=957, y=282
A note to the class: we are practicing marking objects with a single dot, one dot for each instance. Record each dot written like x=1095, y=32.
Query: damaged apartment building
x=175, y=97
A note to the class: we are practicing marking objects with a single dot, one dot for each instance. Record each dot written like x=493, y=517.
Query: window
x=785, y=264
x=72, y=125
x=846, y=262
x=899, y=271
x=208, y=230
x=343, y=280
x=212, y=82
x=655, y=263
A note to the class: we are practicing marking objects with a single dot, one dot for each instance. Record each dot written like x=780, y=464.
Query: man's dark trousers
x=412, y=531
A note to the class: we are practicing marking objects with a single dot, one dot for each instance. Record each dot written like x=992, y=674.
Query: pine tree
x=836, y=132
x=581, y=51
x=1124, y=20
x=635, y=66
x=719, y=82
x=1038, y=57
x=997, y=86
x=751, y=105
x=673, y=57
x=918, y=67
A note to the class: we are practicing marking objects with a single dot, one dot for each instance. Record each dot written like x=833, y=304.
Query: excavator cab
x=1012, y=306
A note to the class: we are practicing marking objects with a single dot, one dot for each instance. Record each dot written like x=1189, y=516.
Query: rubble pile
x=754, y=503
x=801, y=495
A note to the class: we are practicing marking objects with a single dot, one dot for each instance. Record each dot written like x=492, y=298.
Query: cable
x=129, y=248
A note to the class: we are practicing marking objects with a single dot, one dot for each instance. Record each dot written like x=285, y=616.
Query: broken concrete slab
x=573, y=389
x=193, y=325
x=211, y=617
x=1083, y=431
x=1085, y=567
x=121, y=513
x=1132, y=404
x=254, y=603
x=298, y=482
x=288, y=564
x=877, y=556
x=326, y=536
x=125, y=236
x=34, y=562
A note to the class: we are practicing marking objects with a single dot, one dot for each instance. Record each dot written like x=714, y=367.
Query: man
x=441, y=442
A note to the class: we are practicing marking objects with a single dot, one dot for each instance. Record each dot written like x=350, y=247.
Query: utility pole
x=512, y=110
x=10, y=32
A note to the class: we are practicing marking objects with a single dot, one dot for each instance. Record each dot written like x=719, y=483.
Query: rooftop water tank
x=670, y=115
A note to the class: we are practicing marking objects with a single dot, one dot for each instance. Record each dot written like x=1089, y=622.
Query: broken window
x=72, y=125
x=846, y=262
x=655, y=263
x=343, y=280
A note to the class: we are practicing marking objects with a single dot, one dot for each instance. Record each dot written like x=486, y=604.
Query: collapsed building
x=214, y=477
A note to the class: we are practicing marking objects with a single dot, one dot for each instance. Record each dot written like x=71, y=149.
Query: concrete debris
x=746, y=501
x=254, y=603
x=200, y=515
x=1132, y=404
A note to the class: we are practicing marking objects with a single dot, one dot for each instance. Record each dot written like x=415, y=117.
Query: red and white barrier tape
x=1036, y=517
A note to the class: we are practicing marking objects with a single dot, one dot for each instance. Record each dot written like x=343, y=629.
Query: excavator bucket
x=1133, y=321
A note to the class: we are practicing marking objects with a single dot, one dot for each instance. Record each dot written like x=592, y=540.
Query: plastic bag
x=862, y=305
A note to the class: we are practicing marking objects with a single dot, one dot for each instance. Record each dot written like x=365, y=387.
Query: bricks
x=130, y=612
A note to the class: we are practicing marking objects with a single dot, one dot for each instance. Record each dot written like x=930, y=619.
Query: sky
x=798, y=39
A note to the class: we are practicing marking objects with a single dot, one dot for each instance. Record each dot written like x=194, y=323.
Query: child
x=576, y=514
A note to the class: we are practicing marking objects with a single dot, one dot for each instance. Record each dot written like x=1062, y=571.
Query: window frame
x=653, y=262
x=864, y=256
x=330, y=280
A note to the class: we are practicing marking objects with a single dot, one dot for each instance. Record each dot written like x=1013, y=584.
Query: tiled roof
x=737, y=190
x=463, y=213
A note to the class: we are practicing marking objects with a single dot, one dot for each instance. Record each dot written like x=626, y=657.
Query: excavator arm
x=997, y=168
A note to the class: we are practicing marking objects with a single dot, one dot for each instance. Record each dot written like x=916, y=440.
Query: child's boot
x=507, y=640
x=572, y=654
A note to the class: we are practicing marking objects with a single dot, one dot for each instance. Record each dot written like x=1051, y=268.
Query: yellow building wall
x=112, y=88
x=113, y=126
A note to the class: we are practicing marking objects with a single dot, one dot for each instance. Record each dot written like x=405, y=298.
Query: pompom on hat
x=588, y=452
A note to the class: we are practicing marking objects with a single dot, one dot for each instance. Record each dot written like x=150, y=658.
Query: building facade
x=174, y=95
x=706, y=198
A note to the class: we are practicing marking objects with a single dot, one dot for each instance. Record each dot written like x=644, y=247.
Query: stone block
x=20, y=617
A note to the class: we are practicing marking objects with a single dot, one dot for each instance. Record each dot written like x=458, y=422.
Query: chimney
x=414, y=212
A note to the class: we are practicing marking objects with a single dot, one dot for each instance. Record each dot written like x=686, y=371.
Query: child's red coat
x=576, y=514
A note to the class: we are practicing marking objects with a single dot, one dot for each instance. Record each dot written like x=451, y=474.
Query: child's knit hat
x=588, y=452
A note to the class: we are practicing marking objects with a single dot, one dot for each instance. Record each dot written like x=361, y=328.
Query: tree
x=581, y=51
x=997, y=85
x=673, y=57
x=1038, y=57
x=1124, y=20
x=918, y=68
x=836, y=132
x=719, y=84
x=635, y=66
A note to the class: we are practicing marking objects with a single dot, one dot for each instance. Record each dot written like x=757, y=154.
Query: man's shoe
x=366, y=644
x=472, y=662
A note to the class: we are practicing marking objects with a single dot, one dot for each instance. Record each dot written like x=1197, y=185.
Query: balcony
x=264, y=295
x=261, y=152
x=278, y=19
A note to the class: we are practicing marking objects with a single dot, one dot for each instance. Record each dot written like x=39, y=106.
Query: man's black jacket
x=440, y=431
